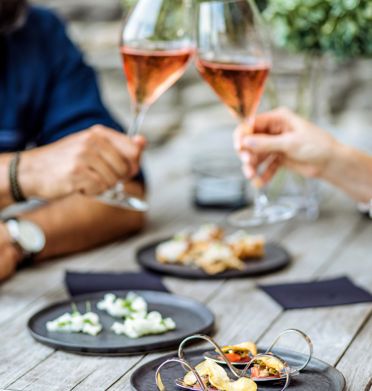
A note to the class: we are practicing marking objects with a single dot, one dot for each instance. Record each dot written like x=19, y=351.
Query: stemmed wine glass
x=233, y=57
x=156, y=47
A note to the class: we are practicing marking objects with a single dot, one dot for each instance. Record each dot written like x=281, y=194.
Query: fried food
x=172, y=251
x=207, y=248
x=246, y=246
x=213, y=375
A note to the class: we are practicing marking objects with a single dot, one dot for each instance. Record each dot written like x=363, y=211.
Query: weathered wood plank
x=355, y=364
x=63, y=371
x=333, y=329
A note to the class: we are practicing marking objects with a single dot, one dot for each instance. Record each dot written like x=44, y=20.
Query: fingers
x=274, y=122
x=129, y=150
x=110, y=155
x=272, y=169
x=91, y=183
x=267, y=144
x=262, y=166
x=95, y=162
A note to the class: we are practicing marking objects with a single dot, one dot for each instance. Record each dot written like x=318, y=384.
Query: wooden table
x=338, y=243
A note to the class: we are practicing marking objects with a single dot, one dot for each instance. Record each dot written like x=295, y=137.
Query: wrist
x=337, y=157
x=27, y=175
x=9, y=247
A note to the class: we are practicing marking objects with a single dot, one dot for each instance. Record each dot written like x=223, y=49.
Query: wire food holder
x=237, y=373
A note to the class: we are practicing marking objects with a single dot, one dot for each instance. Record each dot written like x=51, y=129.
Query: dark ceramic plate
x=317, y=376
x=276, y=258
x=191, y=317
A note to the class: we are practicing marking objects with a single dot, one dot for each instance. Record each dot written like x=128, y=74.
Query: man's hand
x=88, y=162
x=282, y=138
x=10, y=256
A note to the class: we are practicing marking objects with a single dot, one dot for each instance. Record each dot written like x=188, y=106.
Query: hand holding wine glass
x=293, y=142
x=234, y=59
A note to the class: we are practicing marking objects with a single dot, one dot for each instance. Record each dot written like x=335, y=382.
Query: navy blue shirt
x=46, y=89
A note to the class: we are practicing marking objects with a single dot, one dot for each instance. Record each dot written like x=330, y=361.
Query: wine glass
x=155, y=47
x=233, y=57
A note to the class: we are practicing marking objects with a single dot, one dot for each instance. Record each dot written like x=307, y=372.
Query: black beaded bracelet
x=15, y=188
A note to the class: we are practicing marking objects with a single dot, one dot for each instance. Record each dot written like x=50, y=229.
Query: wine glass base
x=119, y=198
x=271, y=214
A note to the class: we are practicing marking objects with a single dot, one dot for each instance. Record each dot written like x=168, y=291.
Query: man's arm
x=78, y=223
x=5, y=195
x=73, y=224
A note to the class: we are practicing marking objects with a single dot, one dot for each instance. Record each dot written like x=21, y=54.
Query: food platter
x=318, y=375
x=275, y=258
x=189, y=315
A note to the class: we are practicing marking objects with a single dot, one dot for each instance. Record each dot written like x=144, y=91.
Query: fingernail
x=245, y=157
x=247, y=171
x=249, y=142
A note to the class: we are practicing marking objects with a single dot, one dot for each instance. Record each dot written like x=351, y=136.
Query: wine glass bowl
x=156, y=47
x=233, y=57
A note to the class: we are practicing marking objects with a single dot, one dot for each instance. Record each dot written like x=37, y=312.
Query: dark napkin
x=79, y=283
x=325, y=293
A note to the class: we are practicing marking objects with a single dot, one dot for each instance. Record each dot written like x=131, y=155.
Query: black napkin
x=325, y=293
x=79, y=283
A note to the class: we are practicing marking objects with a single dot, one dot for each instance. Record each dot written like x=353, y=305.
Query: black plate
x=318, y=376
x=191, y=317
x=276, y=258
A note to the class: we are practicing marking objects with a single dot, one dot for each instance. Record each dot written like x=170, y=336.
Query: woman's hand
x=88, y=162
x=281, y=138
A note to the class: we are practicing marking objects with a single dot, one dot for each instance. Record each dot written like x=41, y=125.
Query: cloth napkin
x=79, y=283
x=325, y=293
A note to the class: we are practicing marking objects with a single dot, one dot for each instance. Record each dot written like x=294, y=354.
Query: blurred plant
x=171, y=18
x=340, y=27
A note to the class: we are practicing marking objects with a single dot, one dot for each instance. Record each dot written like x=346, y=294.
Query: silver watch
x=27, y=235
x=366, y=208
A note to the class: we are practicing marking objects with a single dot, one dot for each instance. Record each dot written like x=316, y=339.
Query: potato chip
x=243, y=384
x=217, y=375
x=272, y=362
x=202, y=370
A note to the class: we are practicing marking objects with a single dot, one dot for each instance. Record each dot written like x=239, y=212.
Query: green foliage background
x=339, y=27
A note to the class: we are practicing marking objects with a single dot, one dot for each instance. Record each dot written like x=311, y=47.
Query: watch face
x=31, y=237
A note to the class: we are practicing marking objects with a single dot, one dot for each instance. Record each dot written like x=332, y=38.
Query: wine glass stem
x=260, y=199
x=138, y=116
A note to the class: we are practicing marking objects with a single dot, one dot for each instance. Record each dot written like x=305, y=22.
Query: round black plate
x=191, y=317
x=276, y=258
x=317, y=376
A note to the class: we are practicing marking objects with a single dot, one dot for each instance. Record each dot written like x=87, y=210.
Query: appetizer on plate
x=209, y=249
x=246, y=246
x=215, y=378
x=237, y=354
x=140, y=325
x=267, y=368
x=207, y=233
x=218, y=257
x=75, y=322
x=173, y=251
x=138, y=322
x=120, y=308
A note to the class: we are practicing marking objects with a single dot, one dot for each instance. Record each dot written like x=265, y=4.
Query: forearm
x=78, y=223
x=5, y=194
x=351, y=171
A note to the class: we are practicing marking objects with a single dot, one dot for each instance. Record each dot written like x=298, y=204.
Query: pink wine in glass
x=239, y=86
x=151, y=72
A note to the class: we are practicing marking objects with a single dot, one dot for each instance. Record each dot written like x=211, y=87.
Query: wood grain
x=337, y=244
